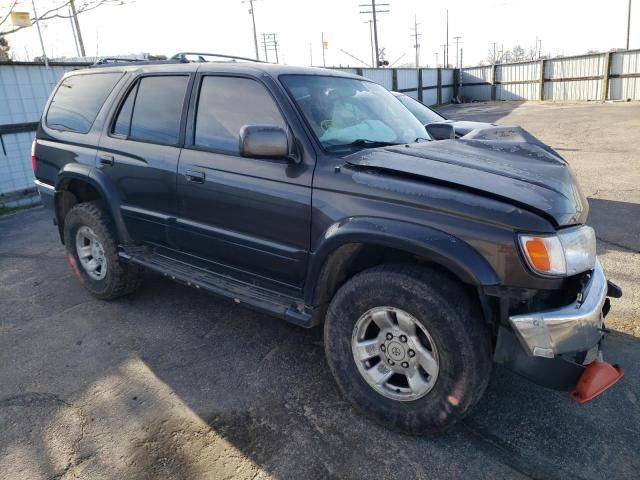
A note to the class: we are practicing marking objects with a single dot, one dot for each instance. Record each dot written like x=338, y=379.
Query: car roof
x=246, y=68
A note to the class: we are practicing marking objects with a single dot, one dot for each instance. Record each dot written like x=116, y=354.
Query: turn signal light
x=537, y=252
x=544, y=254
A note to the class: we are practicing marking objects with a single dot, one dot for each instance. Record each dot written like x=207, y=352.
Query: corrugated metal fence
x=601, y=76
x=24, y=89
x=431, y=86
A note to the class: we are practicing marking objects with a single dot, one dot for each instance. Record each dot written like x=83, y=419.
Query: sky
x=224, y=26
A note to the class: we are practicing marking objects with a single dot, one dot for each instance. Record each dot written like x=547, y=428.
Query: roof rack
x=110, y=60
x=182, y=56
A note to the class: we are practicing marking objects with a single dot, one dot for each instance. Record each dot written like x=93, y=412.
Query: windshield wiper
x=362, y=143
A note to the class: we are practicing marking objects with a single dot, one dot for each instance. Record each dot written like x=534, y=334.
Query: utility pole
x=270, y=42
x=75, y=21
x=444, y=55
x=457, y=39
x=540, y=49
x=73, y=29
x=324, y=63
x=310, y=55
x=416, y=43
x=264, y=45
x=436, y=59
x=373, y=60
x=494, y=52
x=446, y=60
x=374, y=11
x=253, y=20
x=44, y=53
x=628, y=22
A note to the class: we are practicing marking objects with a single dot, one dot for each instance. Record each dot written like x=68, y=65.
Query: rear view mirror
x=263, y=141
x=441, y=131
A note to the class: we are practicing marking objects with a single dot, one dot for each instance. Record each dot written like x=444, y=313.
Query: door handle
x=106, y=160
x=194, y=176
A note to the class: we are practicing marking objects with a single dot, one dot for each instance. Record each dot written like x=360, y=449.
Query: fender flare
x=437, y=246
x=103, y=185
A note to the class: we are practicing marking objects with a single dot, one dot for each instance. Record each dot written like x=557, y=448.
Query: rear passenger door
x=140, y=154
x=249, y=215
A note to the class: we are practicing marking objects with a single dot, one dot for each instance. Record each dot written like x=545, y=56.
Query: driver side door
x=247, y=217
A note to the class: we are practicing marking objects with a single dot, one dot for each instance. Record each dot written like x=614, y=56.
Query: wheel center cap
x=396, y=351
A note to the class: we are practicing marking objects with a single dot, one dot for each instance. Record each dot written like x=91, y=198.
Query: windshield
x=346, y=113
x=423, y=113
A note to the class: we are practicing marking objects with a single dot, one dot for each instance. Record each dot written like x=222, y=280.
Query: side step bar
x=288, y=308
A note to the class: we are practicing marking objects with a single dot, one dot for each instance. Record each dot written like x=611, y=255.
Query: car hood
x=529, y=175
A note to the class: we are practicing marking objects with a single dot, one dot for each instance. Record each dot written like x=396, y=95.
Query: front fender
x=436, y=246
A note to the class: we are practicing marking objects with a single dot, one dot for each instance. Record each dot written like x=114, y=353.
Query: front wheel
x=408, y=347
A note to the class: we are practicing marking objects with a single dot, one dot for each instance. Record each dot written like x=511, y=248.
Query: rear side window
x=153, y=109
x=225, y=105
x=78, y=100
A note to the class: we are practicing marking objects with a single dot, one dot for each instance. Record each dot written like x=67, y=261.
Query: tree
x=50, y=9
x=518, y=54
x=4, y=49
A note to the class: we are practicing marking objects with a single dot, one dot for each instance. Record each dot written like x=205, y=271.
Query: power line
x=374, y=12
x=354, y=57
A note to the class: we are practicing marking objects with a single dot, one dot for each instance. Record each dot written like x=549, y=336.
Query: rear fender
x=103, y=185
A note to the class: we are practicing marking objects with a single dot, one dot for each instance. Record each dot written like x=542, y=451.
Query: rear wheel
x=408, y=347
x=91, y=244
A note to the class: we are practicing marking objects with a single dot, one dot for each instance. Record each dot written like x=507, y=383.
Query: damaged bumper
x=572, y=328
x=561, y=347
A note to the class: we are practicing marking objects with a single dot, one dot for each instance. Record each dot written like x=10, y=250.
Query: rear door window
x=225, y=105
x=153, y=109
x=78, y=100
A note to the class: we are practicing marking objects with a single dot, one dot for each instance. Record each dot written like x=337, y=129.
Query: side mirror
x=441, y=131
x=263, y=141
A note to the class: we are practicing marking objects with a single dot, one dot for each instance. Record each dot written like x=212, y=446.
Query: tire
x=450, y=328
x=118, y=278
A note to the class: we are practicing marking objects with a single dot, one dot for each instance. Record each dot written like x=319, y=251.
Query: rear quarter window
x=78, y=99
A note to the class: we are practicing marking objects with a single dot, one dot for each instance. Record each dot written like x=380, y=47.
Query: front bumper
x=572, y=328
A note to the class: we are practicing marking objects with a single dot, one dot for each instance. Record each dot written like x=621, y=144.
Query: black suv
x=317, y=197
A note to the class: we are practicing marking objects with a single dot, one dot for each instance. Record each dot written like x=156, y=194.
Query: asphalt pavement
x=171, y=382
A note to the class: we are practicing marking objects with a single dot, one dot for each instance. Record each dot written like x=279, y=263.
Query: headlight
x=566, y=253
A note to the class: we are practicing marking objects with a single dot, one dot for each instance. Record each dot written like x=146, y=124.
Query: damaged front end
x=560, y=347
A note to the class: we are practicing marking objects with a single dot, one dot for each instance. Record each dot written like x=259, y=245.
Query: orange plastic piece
x=595, y=379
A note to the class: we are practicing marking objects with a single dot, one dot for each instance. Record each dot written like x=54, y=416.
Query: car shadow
x=617, y=224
